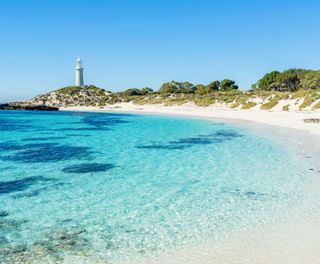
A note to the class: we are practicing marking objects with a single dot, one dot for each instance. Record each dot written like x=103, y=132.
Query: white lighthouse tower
x=79, y=73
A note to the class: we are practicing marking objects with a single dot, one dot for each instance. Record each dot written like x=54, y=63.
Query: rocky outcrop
x=74, y=96
x=27, y=106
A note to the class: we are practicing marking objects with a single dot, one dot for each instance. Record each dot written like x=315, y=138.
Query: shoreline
x=292, y=241
x=294, y=120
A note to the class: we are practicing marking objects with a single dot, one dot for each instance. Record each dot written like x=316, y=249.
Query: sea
x=117, y=187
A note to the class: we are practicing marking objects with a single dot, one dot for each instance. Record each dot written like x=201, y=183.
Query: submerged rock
x=57, y=247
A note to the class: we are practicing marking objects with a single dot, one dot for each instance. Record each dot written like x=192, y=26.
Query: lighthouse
x=79, y=73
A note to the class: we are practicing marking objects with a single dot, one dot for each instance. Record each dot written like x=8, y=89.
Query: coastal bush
x=306, y=102
x=174, y=87
x=248, y=105
x=285, y=107
x=289, y=80
x=71, y=90
x=227, y=84
x=204, y=101
x=316, y=106
x=269, y=105
x=201, y=89
x=311, y=80
x=227, y=96
x=136, y=91
x=299, y=94
x=235, y=105
x=177, y=87
x=213, y=86
x=177, y=101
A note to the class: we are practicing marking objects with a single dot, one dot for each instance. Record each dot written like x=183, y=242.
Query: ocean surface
x=119, y=187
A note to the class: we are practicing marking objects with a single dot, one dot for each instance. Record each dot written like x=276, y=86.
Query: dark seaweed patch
x=14, y=125
x=10, y=146
x=7, y=168
x=251, y=194
x=81, y=129
x=47, y=133
x=21, y=184
x=182, y=143
x=104, y=121
x=88, y=167
x=77, y=135
x=3, y=240
x=29, y=193
x=49, y=152
x=13, y=146
x=158, y=146
x=95, y=122
x=3, y=213
x=42, y=139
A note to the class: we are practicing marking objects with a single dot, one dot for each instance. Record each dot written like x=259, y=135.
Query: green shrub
x=316, y=106
x=285, y=107
x=269, y=105
x=235, y=105
x=248, y=105
x=204, y=101
x=306, y=102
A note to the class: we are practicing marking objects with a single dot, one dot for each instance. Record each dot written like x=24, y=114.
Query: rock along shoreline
x=24, y=106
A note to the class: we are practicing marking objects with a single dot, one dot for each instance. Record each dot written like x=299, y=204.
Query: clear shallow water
x=122, y=186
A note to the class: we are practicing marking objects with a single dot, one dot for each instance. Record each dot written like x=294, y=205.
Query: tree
x=186, y=87
x=288, y=80
x=268, y=79
x=311, y=80
x=177, y=87
x=227, y=84
x=201, y=89
x=169, y=87
x=145, y=90
x=213, y=86
x=132, y=91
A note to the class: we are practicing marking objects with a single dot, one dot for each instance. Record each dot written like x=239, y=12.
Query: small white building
x=79, y=73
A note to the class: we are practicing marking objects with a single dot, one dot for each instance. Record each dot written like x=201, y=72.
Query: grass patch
x=306, y=102
x=248, y=105
x=204, y=101
x=285, y=107
x=235, y=105
x=316, y=106
x=272, y=103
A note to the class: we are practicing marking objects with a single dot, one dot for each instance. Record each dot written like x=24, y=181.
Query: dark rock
x=312, y=120
x=26, y=106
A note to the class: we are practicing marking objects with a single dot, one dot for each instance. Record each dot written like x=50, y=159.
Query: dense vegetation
x=174, y=87
x=289, y=80
x=301, y=86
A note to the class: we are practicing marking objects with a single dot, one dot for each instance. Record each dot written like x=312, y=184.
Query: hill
x=74, y=95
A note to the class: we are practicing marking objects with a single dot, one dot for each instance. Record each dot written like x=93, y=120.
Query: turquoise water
x=122, y=186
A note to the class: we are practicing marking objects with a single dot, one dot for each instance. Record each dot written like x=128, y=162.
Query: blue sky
x=141, y=43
